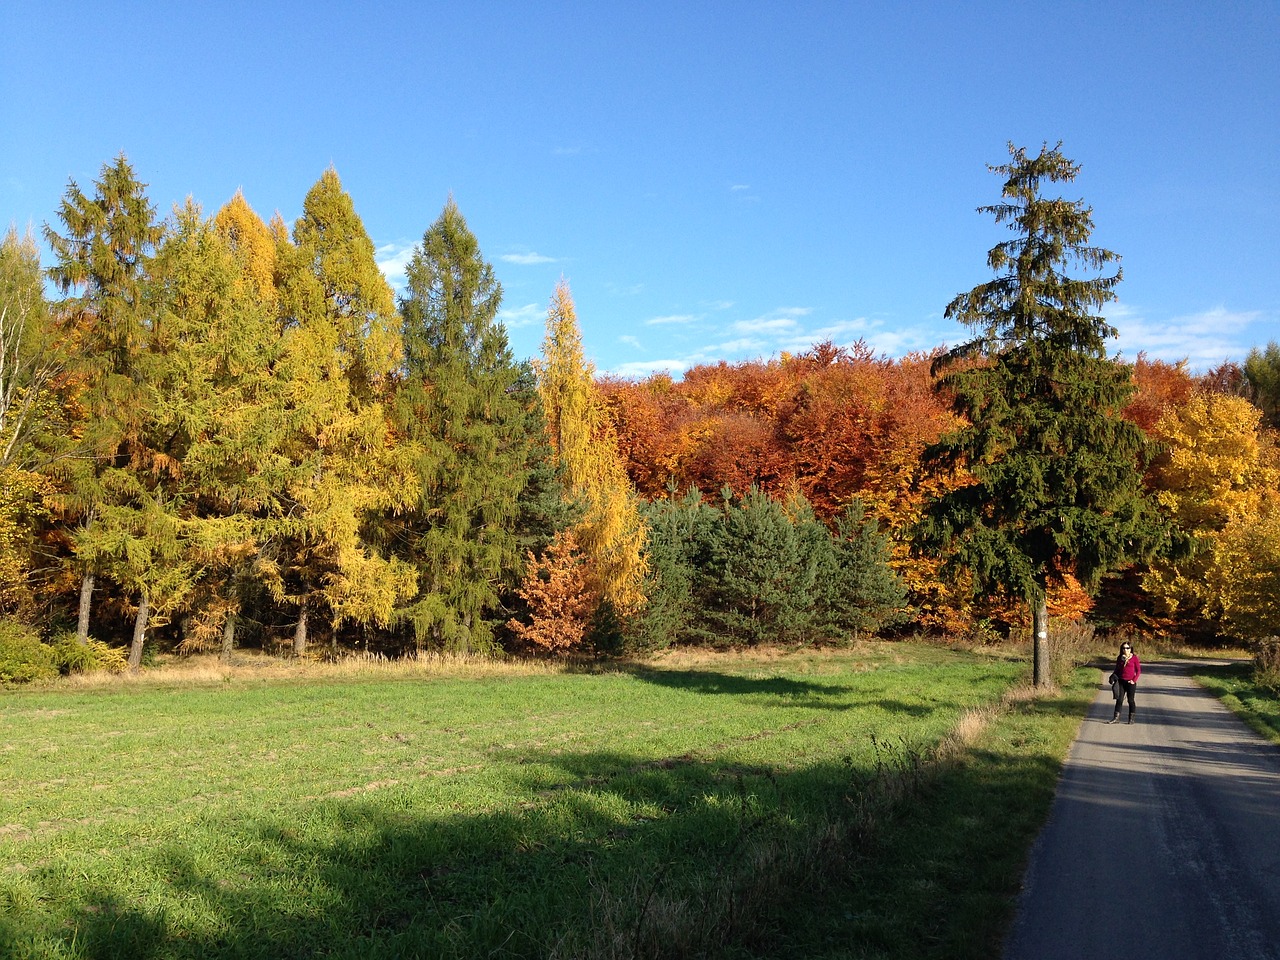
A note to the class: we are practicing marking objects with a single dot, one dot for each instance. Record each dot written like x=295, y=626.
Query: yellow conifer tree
x=611, y=533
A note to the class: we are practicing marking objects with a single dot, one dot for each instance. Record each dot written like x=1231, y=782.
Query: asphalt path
x=1164, y=837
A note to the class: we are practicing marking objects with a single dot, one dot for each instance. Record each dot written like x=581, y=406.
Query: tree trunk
x=300, y=632
x=139, y=632
x=1041, y=673
x=86, y=601
x=228, y=637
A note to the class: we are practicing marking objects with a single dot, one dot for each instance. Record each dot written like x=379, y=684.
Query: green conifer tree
x=466, y=428
x=756, y=584
x=103, y=255
x=220, y=409
x=1262, y=374
x=1056, y=470
x=856, y=588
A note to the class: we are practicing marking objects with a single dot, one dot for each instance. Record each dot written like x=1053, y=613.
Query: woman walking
x=1128, y=670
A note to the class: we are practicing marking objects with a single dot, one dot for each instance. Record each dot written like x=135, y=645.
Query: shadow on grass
x=631, y=858
x=786, y=689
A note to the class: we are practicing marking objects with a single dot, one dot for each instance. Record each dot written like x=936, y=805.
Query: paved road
x=1164, y=838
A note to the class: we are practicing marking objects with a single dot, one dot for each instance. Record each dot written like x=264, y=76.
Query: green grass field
x=1236, y=685
x=873, y=802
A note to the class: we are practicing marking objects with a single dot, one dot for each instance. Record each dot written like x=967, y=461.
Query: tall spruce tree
x=1056, y=470
x=464, y=418
x=1262, y=375
x=103, y=256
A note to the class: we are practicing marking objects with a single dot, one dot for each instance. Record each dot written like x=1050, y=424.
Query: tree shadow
x=627, y=847
x=789, y=691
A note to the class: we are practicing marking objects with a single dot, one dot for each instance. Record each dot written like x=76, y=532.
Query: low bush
x=1073, y=645
x=23, y=657
x=72, y=656
x=1266, y=663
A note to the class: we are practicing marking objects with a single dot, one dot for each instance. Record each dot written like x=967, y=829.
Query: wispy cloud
x=618, y=290
x=765, y=325
x=752, y=345
x=526, y=259
x=1203, y=339
x=644, y=368
x=630, y=341
x=776, y=321
x=671, y=318
x=392, y=258
x=526, y=316
x=738, y=187
x=719, y=305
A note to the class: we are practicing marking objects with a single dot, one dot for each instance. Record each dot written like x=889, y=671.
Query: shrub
x=23, y=657
x=1266, y=663
x=1073, y=644
x=72, y=656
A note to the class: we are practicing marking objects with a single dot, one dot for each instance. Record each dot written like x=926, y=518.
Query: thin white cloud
x=741, y=345
x=645, y=368
x=392, y=258
x=1203, y=339
x=672, y=318
x=765, y=325
x=526, y=259
x=739, y=187
x=630, y=341
x=719, y=305
x=526, y=316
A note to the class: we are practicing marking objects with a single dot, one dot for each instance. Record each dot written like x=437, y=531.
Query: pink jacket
x=1129, y=671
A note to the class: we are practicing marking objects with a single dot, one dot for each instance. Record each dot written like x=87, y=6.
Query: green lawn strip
x=940, y=876
x=1234, y=684
x=522, y=816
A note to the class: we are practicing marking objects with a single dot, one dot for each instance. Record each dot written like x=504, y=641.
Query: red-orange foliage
x=561, y=596
x=1160, y=387
x=838, y=423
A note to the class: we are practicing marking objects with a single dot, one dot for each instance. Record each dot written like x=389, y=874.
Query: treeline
x=225, y=432
x=843, y=426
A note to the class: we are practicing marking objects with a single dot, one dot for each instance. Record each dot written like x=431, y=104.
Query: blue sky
x=716, y=181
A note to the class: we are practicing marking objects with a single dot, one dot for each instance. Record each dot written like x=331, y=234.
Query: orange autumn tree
x=561, y=596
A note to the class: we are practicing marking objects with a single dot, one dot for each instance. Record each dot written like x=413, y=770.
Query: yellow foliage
x=21, y=503
x=1245, y=575
x=1218, y=476
x=612, y=533
x=1213, y=470
x=252, y=242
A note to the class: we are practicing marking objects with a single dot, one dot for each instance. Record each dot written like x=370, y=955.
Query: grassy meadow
x=807, y=804
x=1238, y=686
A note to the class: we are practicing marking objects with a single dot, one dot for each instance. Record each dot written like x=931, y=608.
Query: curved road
x=1164, y=837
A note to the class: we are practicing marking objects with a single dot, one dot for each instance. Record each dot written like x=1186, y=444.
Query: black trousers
x=1126, y=690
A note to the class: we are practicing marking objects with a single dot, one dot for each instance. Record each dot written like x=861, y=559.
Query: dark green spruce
x=1056, y=471
x=106, y=320
x=465, y=416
